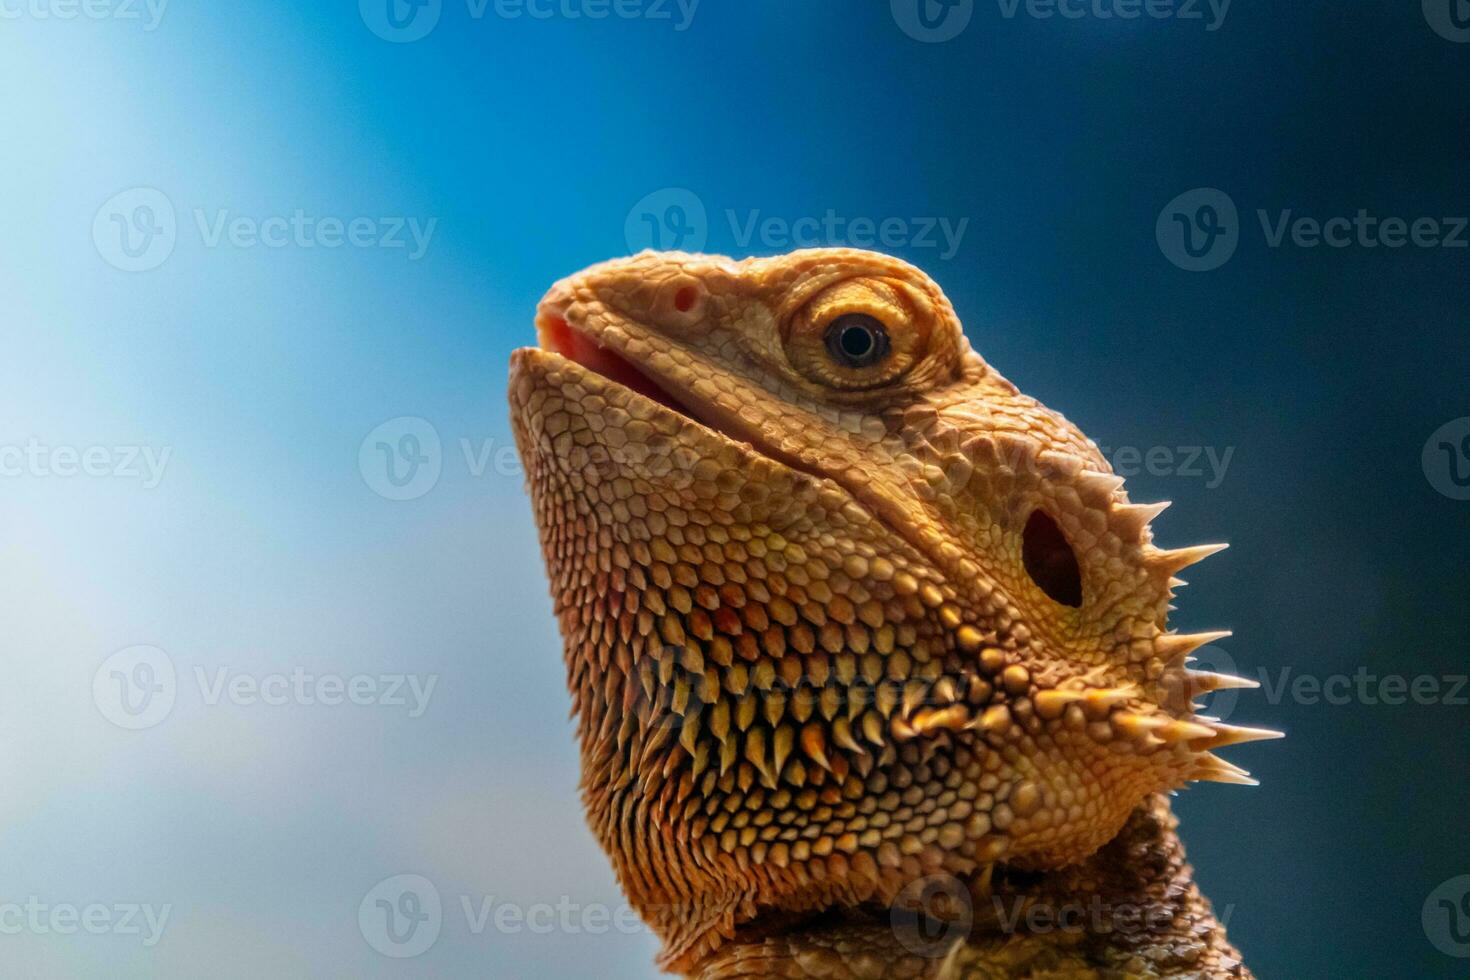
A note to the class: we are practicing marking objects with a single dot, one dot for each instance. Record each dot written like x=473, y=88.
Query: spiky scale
x=1226, y=735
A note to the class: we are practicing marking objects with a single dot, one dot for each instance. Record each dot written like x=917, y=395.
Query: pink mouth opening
x=558, y=337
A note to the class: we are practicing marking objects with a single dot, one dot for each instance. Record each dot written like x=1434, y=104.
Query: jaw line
x=711, y=417
x=587, y=352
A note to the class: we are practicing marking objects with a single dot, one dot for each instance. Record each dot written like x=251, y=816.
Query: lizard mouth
x=557, y=336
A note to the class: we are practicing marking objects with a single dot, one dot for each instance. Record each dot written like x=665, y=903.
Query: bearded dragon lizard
x=867, y=650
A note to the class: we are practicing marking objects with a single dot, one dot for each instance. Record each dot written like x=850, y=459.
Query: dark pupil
x=857, y=340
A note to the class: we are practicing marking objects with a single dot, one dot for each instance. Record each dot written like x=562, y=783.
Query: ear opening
x=1050, y=560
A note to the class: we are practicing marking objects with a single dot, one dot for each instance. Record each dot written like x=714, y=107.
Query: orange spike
x=1175, y=646
x=1204, y=681
x=814, y=744
x=1101, y=483
x=1133, y=518
x=1214, y=769
x=1100, y=699
x=1184, y=731
x=1136, y=726
x=1238, y=735
x=1170, y=562
x=1051, y=704
x=954, y=718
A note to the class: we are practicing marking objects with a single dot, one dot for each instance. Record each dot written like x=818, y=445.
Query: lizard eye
x=858, y=334
x=856, y=340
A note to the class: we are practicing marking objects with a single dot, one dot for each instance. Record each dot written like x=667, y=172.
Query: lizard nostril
x=685, y=298
x=1050, y=561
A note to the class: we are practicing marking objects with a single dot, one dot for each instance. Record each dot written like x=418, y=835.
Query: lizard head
x=842, y=607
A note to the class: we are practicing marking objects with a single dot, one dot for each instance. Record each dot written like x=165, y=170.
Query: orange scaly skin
x=837, y=622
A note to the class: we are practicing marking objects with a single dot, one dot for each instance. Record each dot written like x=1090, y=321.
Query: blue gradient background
x=264, y=549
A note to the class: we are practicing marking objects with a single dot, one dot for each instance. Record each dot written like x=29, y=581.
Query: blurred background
x=275, y=628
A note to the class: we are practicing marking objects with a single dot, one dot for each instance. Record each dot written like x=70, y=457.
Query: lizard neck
x=1132, y=909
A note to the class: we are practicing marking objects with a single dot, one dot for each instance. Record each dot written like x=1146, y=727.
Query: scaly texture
x=844, y=611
